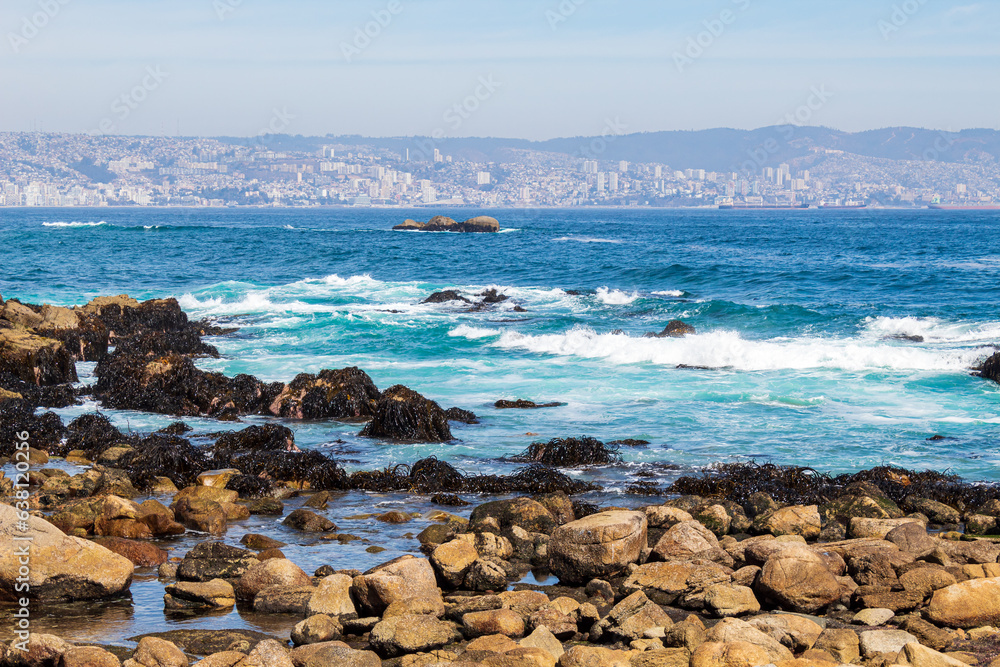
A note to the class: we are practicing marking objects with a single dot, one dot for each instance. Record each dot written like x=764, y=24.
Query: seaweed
x=569, y=453
x=431, y=476
x=449, y=500
x=309, y=467
x=582, y=509
x=403, y=414
x=95, y=434
x=644, y=489
x=164, y=456
x=45, y=431
x=393, y=478
x=264, y=438
x=531, y=479
x=249, y=486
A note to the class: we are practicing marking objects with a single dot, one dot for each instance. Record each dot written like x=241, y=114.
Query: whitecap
x=673, y=293
x=472, y=333
x=586, y=239
x=613, y=297
x=74, y=224
x=932, y=329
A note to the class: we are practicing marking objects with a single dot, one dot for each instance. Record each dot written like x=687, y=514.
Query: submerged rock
x=522, y=404
x=445, y=297
x=403, y=414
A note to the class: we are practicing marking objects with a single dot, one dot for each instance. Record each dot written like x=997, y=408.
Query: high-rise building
x=613, y=182
x=623, y=167
x=600, y=183
x=483, y=178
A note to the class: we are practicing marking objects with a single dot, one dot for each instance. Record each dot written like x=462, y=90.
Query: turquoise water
x=798, y=316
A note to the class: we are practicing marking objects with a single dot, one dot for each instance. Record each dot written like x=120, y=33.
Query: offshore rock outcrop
x=403, y=414
x=440, y=223
x=990, y=370
x=344, y=395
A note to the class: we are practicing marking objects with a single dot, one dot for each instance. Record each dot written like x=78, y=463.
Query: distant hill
x=714, y=150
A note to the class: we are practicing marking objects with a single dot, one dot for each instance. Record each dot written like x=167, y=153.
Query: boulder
x=332, y=596
x=801, y=583
x=630, y=619
x=155, y=652
x=142, y=554
x=272, y=572
x=214, y=594
x=89, y=656
x=346, y=395
x=524, y=513
x=33, y=359
x=689, y=540
x=480, y=224
x=678, y=582
x=283, y=599
x=62, y=568
x=486, y=574
x=921, y=656
x=335, y=655
x=876, y=642
x=403, y=414
x=399, y=579
x=861, y=527
x=215, y=560
x=674, y=329
x=926, y=580
x=268, y=653
x=990, y=370
x=309, y=522
x=452, y=561
x=795, y=632
x=400, y=635
x=494, y=622
x=316, y=629
x=594, y=656
x=206, y=516
x=966, y=604
x=729, y=654
x=42, y=650
x=802, y=520
x=735, y=630
x=725, y=600
x=597, y=546
x=912, y=538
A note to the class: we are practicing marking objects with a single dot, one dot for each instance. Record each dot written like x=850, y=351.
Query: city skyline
x=533, y=70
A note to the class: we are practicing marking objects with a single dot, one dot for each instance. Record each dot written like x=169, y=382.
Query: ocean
x=839, y=340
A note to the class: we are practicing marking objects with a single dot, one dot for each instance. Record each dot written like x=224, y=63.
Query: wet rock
x=403, y=414
x=215, y=560
x=399, y=579
x=280, y=599
x=674, y=329
x=445, y=297
x=42, y=650
x=260, y=542
x=207, y=642
x=522, y=404
x=206, y=516
x=142, y=554
x=214, y=594
x=62, y=568
x=990, y=370
x=400, y=635
x=273, y=572
x=599, y=545
x=309, y=522
x=460, y=415
x=486, y=574
x=348, y=394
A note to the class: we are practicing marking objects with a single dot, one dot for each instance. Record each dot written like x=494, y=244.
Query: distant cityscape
x=67, y=170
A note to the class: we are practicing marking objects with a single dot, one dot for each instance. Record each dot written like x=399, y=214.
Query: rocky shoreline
x=744, y=565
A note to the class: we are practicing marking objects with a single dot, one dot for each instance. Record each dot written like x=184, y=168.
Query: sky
x=503, y=68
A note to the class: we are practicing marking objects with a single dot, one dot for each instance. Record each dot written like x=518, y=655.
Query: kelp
x=570, y=453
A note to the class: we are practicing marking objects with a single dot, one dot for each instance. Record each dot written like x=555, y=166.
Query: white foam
x=73, y=224
x=472, y=333
x=586, y=239
x=727, y=349
x=614, y=297
x=933, y=329
x=673, y=293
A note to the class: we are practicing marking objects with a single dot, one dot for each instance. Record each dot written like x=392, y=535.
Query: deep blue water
x=799, y=313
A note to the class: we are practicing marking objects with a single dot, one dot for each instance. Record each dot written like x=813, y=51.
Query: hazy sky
x=557, y=68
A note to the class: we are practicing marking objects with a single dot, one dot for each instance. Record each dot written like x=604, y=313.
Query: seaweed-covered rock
x=460, y=415
x=45, y=431
x=674, y=329
x=990, y=369
x=570, y=453
x=163, y=456
x=431, y=475
x=445, y=297
x=522, y=404
x=502, y=515
x=266, y=437
x=403, y=414
x=345, y=395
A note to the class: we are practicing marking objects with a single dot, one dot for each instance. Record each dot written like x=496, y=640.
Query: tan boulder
x=630, y=619
x=223, y=659
x=271, y=572
x=791, y=630
x=676, y=582
x=918, y=655
x=89, y=656
x=494, y=622
x=542, y=638
x=801, y=584
x=842, y=644
x=802, y=520
x=399, y=579
x=401, y=635
x=966, y=604
x=452, y=561
x=594, y=656
x=597, y=546
x=524, y=656
x=268, y=653
x=689, y=540
x=62, y=568
x=155, y=652
x=862, y=527
x=730, y=600
x=729, y=654
x=735, y=630
x=661, y=516
x=42, y=649
x=332, y=596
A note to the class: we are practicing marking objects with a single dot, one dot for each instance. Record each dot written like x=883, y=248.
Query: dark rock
x=990, y=370
x=215, y=560
x=45, y=431
x=142, y=554
x=449, y=500
x=34, y=359
x=403, y=414
x=309, y=522
x=260, y=542
x=207, y=642
x=445, y=297
x=460, y=415
x=674, y=329
x=347, y=395
x=491, y=296
x=440, y=223
x=569, y=453
x=528, y=514
x=522, y=404
x=266, y=506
